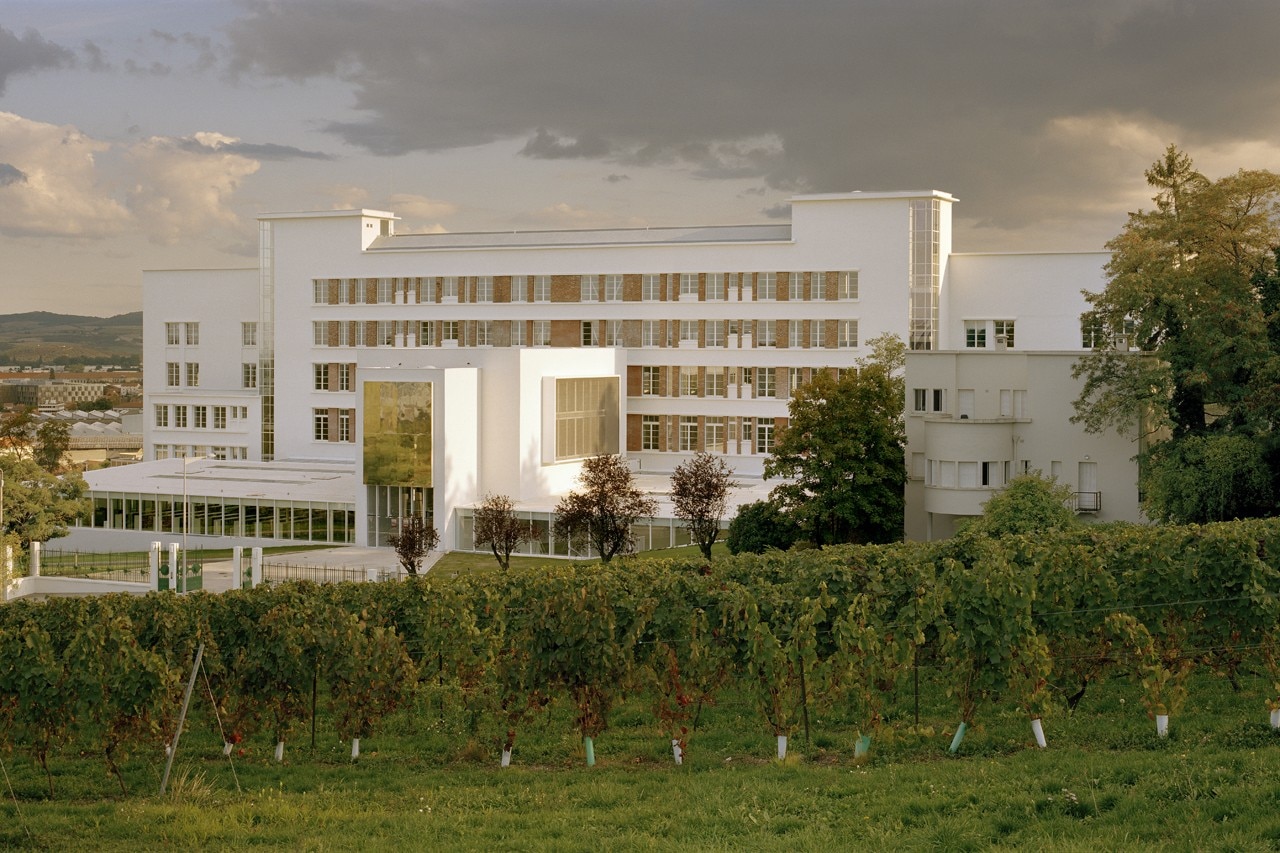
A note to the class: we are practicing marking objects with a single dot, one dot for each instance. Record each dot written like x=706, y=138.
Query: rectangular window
x=542, y=333
x=688, y=381
x=688, y=285
x=714, y=382
x=715, y=287
x=449, y=288
x=386, y=291
x=795, y=286
x=817, y=333
x=172, y=374
x=651, y=287
x=319, y=333
x=848, y=333
x=426, y=333
x=162, y=416
x=650, y=428
x=450, y=330
x=650, y=381
x=688, y=433
x=589, y=288
x=517, y=333
x=484, y=333
x=344, y=291
x=345, y=372
x=161, y=451
x=766, y=285
x=200, y=417
x=689, y=333
x=542, y=288
x=847, y=285
x=344, y=425
x=319, y=291
x=939, y=402
x=764, y=435
x=650, y=331
x=218, y=452
x=386, y=333
x=967, y=475
x=975, y=334
x=180, y=417
x=193, y=374
x=344, y=335
x=358, y=336
x=919, y=396
x=519, y=288
x=766, y=382
x=192, y=331
x=714, y=332
x=484, y=288
x=248, y=334
x=766, y=333
x=795, y=378
x=320, y=422
x=172, y=336
x=713, y=435
x=613, y=288
x=590, y=336
x=613, y=333
x=219, y=417
x=795, y=334
x=320, y=377
x=1004, y=329
x=1093, y=333
x=586, y=416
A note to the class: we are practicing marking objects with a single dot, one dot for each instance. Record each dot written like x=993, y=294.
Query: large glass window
x=715, y=286
x=847, y=285
x=613, y=288
x=650, y=333
x=249, y=334
x=714, y=331
x=172, y=374
x=713, y=435
x=651, y=287
x=650, y=430
x=586, y=416
x=766, y=333
x=688, y=433
x=484, y=288
x=192, y=331
x=172, y=334
x=688, y=285
x=542, y=288
x=766, y=382
x=650, y=378
x=589, y=288
x=688, y=381
x=519, y=288
x=764, y=435
x=975, y=334
x=715, y=382
x=162, y=415
x=848, y=333
x=320, y=424
x=767, y=285
x=1004, y=329
x=320, y=377
x=193, y=374
x=542, y=333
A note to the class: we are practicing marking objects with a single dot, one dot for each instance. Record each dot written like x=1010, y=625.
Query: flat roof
x=328, y=481
x=699, y=234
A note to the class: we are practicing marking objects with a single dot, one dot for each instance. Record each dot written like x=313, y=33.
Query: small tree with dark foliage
x=497, y=526
x=603, y=512
x=759, y=526
x=415, y=539
x=700, y=492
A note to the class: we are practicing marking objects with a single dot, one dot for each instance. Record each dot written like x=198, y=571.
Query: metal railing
x=1087, y=502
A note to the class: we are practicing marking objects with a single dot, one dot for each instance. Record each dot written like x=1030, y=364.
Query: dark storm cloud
x=821, y=94
x=254, y=150
x=10, y=174
x=31, y=52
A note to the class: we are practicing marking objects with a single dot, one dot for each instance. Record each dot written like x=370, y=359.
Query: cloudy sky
x=142, y=134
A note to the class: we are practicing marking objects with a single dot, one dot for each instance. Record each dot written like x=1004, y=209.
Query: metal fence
x=274, y=573
x=123, y=566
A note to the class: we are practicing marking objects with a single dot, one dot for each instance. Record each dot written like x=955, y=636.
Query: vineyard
x=1025, y=625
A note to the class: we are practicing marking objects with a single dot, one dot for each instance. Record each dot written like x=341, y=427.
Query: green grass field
x=431, y=781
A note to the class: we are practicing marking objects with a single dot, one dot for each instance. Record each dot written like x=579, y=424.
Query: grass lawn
x=431, y=781
x=463, y=562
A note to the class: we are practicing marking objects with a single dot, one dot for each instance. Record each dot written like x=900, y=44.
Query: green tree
x=37, y=504
x=1215, y=477
x=841, y=452
x=1192, y=284
x=760, y=526
x=603, y=512
x=1028, y=504
x=497, y=526
x=700, y=491
x=52, y=441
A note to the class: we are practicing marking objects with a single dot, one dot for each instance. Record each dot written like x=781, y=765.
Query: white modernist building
x=427, y=370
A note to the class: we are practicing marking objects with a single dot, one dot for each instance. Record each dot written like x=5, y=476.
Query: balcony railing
x=1086, y=502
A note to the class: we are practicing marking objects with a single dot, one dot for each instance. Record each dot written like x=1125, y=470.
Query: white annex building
x=357, y=376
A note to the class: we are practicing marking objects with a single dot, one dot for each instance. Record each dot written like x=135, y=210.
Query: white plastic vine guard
x=1037, y=729
x=782, y=747
x=676, y=751
x=1162, y=725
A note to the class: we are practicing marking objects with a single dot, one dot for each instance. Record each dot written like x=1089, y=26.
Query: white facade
x=704, y=329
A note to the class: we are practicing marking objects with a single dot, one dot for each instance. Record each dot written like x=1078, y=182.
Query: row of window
x=333, y=424
x=949, y=474
x=333, y=377
x=1013, y=402
x=690, y=433
x=187, y=451
x=736, y=382
x=200, y=416
x=653, y=287
x=798, y=334
x=983, y=334
x=315, y=521
x=188, y=333
x=176, y=372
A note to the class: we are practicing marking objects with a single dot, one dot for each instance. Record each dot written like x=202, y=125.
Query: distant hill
x=42, y=337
